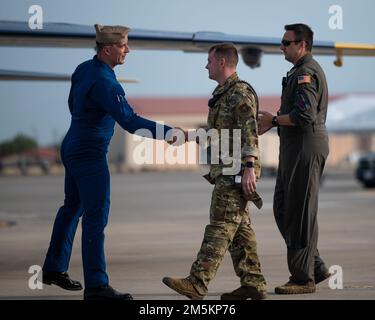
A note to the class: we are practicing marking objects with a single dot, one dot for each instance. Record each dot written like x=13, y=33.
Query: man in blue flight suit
x=96, y=102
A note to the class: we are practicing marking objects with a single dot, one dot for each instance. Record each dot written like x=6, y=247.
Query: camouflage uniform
x=230, y=227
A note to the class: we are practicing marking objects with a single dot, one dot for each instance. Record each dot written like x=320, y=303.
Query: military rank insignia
x=304, y=79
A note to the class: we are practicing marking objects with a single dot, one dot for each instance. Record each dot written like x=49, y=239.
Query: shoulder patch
x=304, y=79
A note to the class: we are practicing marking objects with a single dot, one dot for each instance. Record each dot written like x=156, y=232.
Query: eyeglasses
x=286, y=43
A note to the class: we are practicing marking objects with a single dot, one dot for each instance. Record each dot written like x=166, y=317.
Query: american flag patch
x=304, y=79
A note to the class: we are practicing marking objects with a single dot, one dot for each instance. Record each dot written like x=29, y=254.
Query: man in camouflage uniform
x=303, y=152
x=233, y=106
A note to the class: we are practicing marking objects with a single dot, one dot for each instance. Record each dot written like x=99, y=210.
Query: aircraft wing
x=9, y=75
x=16, y=33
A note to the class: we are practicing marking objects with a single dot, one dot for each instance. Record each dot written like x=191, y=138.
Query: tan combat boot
x=294, y=288
x=245, y=292
x=184, y=287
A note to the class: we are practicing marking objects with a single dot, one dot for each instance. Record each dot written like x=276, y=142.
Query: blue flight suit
x=96, y=102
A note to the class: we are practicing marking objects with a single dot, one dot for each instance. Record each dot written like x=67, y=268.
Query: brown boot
x=245, y=292
x=294, y=288
x=321, y=277
x=184, y=287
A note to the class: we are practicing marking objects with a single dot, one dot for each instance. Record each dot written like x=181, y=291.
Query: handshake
x=177, y=136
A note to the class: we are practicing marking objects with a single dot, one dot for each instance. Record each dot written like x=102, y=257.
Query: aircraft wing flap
x=355, y=49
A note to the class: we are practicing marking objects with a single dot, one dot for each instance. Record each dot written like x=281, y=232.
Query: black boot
x=62, y=280
x=105, y=292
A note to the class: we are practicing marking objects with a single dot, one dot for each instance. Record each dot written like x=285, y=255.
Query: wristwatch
x=274, y=122
x=249, y=164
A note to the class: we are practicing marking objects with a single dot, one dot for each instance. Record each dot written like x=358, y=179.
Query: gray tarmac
x=156, y=227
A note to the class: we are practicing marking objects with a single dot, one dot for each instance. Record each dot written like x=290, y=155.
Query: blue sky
x=40, y=109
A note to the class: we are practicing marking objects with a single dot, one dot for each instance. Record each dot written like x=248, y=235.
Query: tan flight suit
x=303, y=152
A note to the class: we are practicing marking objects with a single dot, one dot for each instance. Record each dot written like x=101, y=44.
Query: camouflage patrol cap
x=111, y=34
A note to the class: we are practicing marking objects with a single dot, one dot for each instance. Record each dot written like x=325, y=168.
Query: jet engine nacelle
x=251, y=57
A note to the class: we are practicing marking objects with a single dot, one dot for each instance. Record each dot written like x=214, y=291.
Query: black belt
x=294, y=130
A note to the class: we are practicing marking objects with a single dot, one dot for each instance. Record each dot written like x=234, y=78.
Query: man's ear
x=222, y=62
x=304, y=45
x=107, y=50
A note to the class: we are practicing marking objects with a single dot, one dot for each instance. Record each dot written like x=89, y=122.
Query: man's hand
x=249, y=181
x=264, y=122
x=177, y=137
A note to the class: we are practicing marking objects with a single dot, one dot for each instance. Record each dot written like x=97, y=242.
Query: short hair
x=302, y=32
x=227, y=51
x=99, y=46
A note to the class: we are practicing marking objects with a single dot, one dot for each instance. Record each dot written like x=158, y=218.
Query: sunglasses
x=286, y=43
